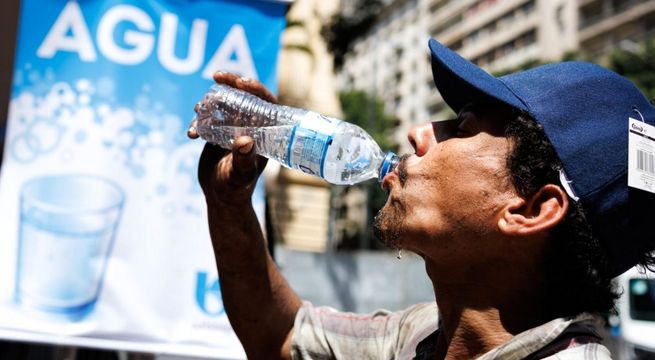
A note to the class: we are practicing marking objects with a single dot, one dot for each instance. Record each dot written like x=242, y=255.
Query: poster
x=103, y=233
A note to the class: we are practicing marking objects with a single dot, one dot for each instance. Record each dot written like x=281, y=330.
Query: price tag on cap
x=641, y=155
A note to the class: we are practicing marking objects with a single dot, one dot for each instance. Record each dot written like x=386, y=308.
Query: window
x=452, y=22
x=559, y=17
x=436, y=5
x=480, y=6
x=457, y=45
x=398, y=76
x=528, y=7
x=399, y=53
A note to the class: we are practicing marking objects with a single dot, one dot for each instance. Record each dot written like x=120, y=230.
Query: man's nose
x=421, y=138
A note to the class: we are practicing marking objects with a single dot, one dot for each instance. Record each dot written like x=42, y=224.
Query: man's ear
x=541, y=212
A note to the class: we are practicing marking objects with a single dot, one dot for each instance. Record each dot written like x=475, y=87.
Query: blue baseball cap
x=584, y=110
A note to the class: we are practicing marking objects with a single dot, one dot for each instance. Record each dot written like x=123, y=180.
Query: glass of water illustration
x=67, y=229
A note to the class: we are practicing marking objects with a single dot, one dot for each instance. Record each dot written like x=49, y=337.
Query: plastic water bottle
x=335, y=150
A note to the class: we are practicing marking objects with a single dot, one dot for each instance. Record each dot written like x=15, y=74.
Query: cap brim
x=461, y=82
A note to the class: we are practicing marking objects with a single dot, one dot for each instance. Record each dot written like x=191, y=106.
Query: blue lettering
x=208, y=295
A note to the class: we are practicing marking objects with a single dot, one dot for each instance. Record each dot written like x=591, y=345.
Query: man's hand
x=255, y=294
x=229, y=177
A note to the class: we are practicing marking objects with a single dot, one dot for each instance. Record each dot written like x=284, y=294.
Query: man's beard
x=387, y=226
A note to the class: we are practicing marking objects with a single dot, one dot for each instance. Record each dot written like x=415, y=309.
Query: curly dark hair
x=577, y=274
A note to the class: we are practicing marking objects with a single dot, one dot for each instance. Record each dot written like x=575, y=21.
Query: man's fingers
x=192, y=131
x=226, y=78
x=249, y=85
x=256, y=88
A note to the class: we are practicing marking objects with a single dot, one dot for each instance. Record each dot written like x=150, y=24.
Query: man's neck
x=476, y=318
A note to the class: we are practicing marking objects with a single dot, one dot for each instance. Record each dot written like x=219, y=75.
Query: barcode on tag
x=646, y=162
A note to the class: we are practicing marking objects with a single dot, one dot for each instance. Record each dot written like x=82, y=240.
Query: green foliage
x=573, y=55
x=368, y=113
x=343, y=29
x=637, y=65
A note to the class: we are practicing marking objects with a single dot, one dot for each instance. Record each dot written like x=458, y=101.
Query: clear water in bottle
x=335, y=150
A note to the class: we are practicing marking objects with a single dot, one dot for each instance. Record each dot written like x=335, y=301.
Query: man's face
x=445, y=199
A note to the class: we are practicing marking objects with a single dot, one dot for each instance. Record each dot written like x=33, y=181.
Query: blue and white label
x=641, y=155
x=309, y=143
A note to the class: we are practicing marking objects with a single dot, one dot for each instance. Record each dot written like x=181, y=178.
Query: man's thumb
x=244, y=159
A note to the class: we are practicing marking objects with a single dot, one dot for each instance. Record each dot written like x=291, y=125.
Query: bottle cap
x=388, y=164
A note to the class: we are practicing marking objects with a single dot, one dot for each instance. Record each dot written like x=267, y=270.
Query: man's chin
x=386, y=228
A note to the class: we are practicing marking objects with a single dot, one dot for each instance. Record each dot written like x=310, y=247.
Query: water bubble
x=43, y=136
x=171, y=126
x=118, y=120
x=21, y=150
x=84, y=86
x=103, y=110
x=168, y=210
x=33, y=76
x=80, y=136
x=156, y=138
x=138, y=171
x=23, y=107
x=192, y=210
x=106, y=87
x=146, y=140
x=50, y=75
x=84, y=99
x=161, y=189
x=64, y=92
x=125, y=138
x=85, y=115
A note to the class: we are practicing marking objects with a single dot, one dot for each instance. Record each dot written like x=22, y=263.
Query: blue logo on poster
x=208, y=295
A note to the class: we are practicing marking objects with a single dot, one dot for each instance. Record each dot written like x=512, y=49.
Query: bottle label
x=310, y=140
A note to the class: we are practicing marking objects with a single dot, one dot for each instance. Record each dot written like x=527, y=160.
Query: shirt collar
x=543, y=337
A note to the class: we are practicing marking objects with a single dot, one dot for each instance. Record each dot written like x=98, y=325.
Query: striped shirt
x=324, y=333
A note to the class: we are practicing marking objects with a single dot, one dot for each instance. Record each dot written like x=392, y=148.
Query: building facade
x=610, y=24
x=299, y=204
x=390, y=61
x=498, y=35
x=503, y=34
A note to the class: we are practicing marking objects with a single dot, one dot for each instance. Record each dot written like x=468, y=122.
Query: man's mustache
x=402, y=169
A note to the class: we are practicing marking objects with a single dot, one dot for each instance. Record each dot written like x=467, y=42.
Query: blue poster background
x=104, y=239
